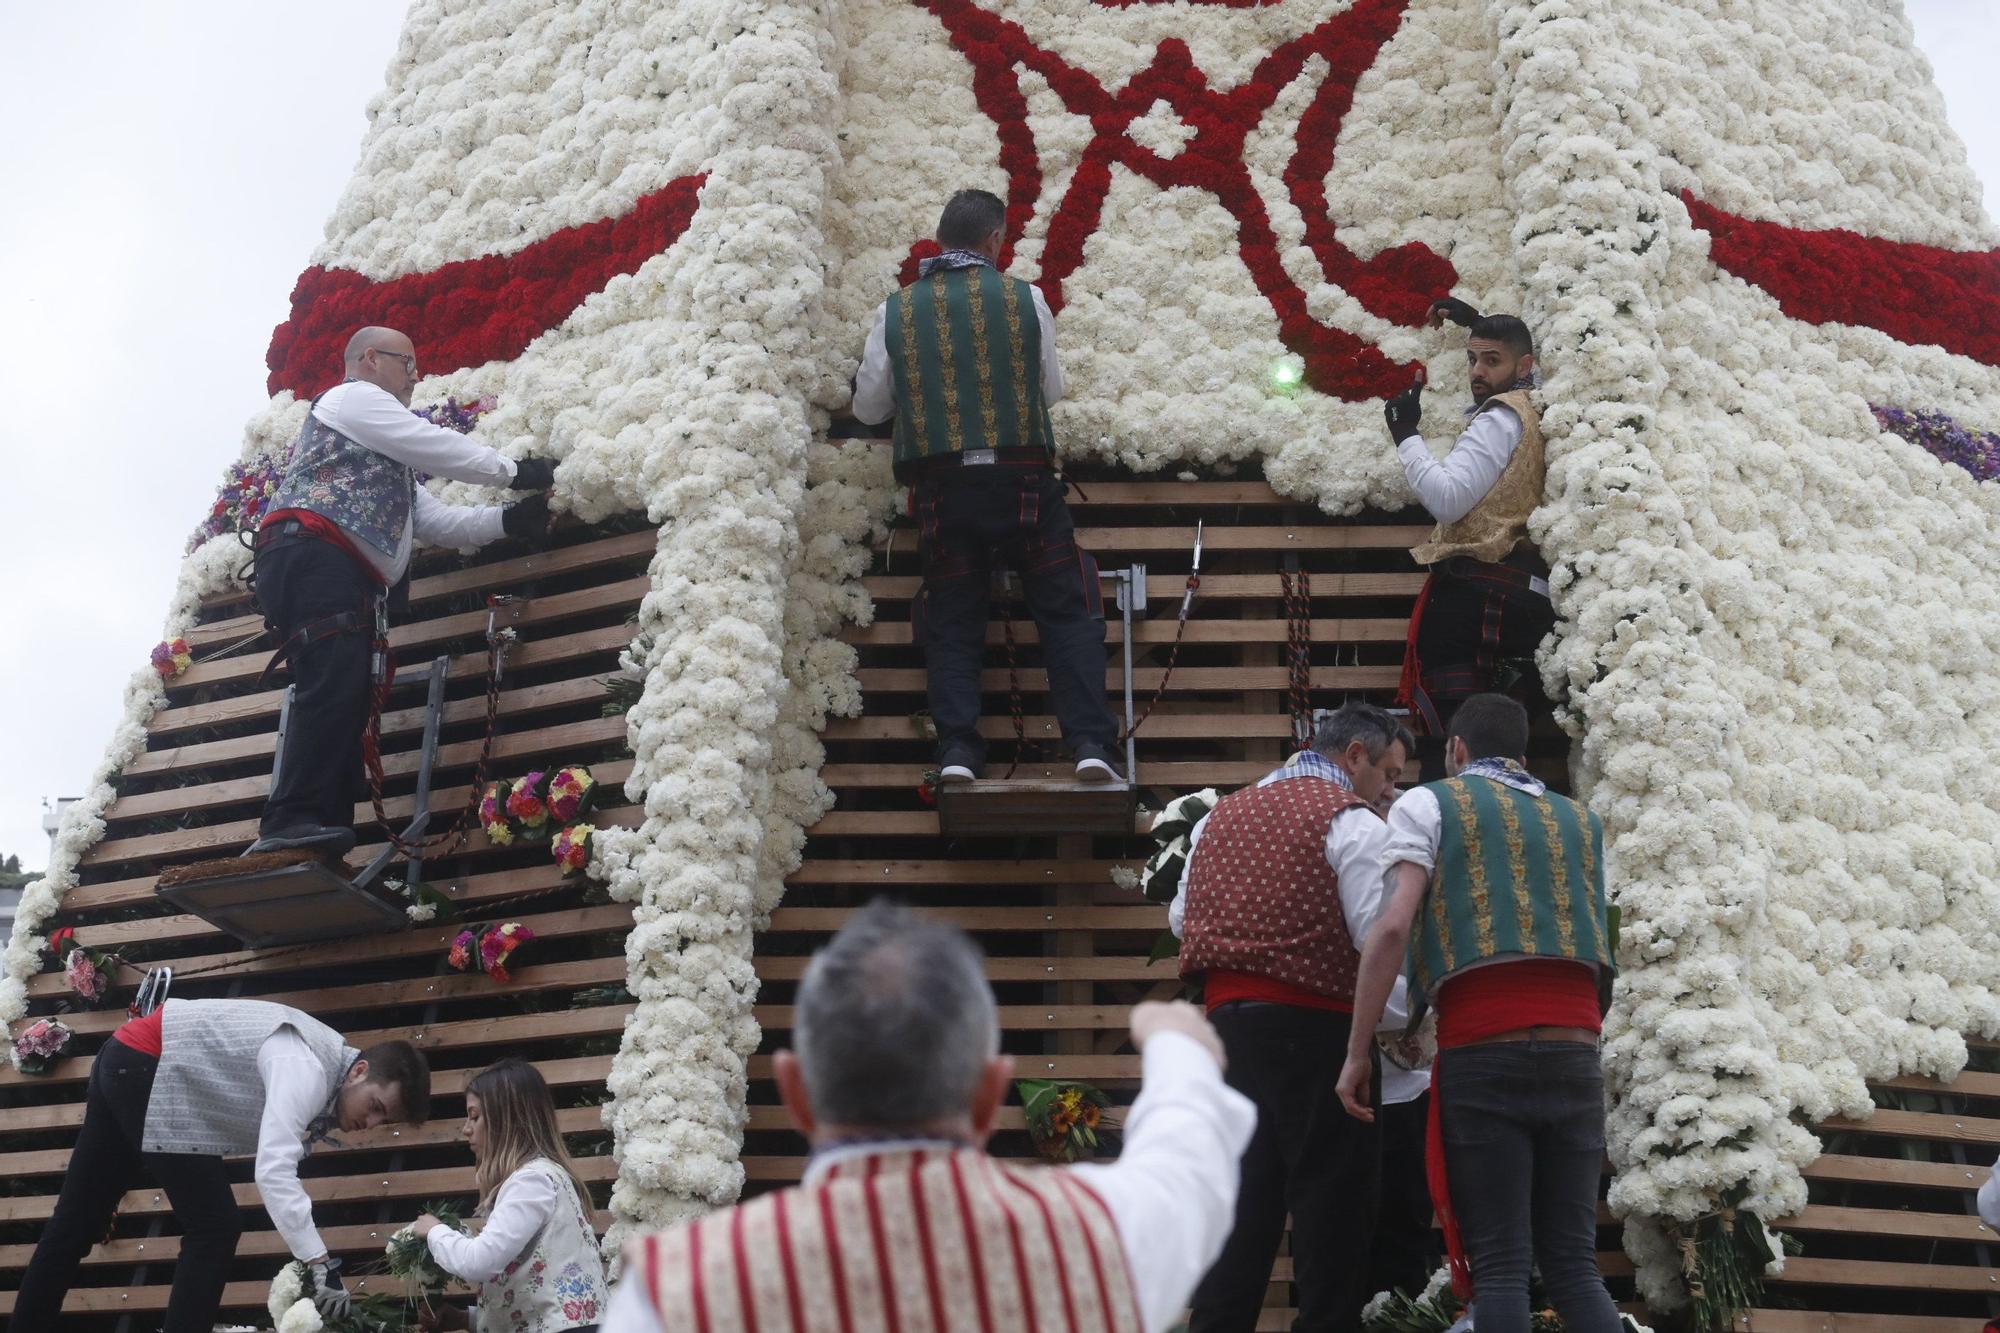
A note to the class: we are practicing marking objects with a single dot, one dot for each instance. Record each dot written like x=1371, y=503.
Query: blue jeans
x=1523, y=1130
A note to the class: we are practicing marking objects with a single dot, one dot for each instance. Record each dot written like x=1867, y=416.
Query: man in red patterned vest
x=1283, y=881
x=903, y=1221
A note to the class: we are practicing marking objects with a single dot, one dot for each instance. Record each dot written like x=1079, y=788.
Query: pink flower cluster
x=36, y=1048
x=171, y=657
x=84, y=976
x=491, y=946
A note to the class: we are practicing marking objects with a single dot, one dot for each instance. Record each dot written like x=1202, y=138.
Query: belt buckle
x=978, y=457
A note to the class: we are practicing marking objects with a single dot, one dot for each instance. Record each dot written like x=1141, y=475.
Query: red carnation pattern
x=473, y=311
x=1914, y=293
x=1397, y=285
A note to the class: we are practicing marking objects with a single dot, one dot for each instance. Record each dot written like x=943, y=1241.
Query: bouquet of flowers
x=409, y=1257
x=88, y=973
x=1436, y=1308
x=36, y=1049
x=572, y=849
x=292, y=1309
x=488, y=948
x=535, y=807
x=171, y=657
x=1064, y=1119
x=1161, y=879
x=240, y=501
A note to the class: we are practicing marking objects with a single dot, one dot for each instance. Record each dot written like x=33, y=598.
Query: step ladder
x=298, y=897
x=1052, y=801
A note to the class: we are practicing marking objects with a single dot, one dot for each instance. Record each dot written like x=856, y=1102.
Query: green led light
x=1287, y=374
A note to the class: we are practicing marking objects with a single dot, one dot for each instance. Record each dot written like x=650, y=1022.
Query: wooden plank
x=1214, y=587
x=910, y=680
x=223, y=839
x=1887, y=1222
x=828, y=870
x=1919, y=1125
x=1803, y=1271
x=1969, y=1083
x=481, y=577
x=1808, y=1321
x=420, y=639
x=459, y=755
x=513, y=704
x=1220, y=537
x=1160, y=630
x=368, y=949
x=1162, y=725
x=1184, y=775
x=247, y=708
x=1896, y=1171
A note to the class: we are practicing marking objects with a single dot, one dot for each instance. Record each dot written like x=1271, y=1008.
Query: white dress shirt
x=1450, y=489
x=875, y=387
x=523, y=1206
x=1171, y=1193
x=295, y=1092
x=1354, y=845
x=369, y=415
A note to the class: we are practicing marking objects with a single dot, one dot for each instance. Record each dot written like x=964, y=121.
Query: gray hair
x=894, y=1021
x=1364, y=722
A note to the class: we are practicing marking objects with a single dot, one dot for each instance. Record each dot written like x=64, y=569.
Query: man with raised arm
x=903, y=1220
x=1497, y=895
x=336, y=539
x=1485, y=607
x=171, y=1095
x=964, y=359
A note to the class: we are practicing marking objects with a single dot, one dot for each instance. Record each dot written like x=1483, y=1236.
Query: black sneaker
x=958, y=764
x=334, y=842
x=1094, y=763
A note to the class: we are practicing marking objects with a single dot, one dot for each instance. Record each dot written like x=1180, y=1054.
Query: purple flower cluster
x=1977, y=451
x=248, y=487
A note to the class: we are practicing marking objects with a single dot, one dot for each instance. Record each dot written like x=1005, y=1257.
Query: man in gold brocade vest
x=1485, y=607
x=903, y=1221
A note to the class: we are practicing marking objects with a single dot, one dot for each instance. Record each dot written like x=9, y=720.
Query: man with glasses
x=335, y=541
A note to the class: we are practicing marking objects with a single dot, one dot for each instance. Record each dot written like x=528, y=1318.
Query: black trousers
x=1405, y=1253
x=1523, y=1126
x=973, y=520
x=1474, y=629
x=1309, y=1158
x=301, y=579
x=106, y=1162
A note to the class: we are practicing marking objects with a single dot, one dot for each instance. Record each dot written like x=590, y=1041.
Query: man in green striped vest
x=1496, y=895
x=964, y=359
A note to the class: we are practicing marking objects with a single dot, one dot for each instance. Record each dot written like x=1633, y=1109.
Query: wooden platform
x=299, y=900
x=1037, y=804
x=1892, y=1246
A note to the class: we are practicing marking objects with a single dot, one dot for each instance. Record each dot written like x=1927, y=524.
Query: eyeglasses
x=408, y=359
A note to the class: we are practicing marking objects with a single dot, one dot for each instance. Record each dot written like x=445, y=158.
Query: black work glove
x=328, y=1296
x=532, y=474
x=1405, y=412
x=1453, y=309
x=526, y=518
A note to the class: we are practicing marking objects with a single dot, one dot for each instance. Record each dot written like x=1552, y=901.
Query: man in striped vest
x=1485, y=607
x=903, y=1221
x=965, y=360
x=171, y=1095
x=1499, y=900
x=1282, y=885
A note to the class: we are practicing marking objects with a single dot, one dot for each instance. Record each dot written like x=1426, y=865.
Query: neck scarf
x=951, y=260
x=1507, y=771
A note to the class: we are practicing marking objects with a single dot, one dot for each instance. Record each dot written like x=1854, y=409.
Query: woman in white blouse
x=535, y=1260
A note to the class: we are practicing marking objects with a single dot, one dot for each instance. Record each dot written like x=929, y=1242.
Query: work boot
x=1095, y=763
x=335, y=842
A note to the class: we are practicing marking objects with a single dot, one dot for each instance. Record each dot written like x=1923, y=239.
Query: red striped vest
x=911, y=1240
x=1261, y=897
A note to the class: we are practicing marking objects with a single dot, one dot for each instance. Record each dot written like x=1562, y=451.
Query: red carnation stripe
x=472, y=311
x=1914, y=293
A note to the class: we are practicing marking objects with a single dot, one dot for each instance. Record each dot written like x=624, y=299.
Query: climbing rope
x=1296, y=584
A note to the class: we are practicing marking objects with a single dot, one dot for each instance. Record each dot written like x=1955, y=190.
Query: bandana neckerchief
x=950, y=260
x=1530, y=381
x=1311, y=764
x=1507, y=771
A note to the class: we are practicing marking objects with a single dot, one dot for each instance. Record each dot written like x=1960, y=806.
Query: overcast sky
x=168, y=169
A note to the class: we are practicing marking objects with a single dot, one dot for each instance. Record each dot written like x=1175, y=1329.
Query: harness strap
x=358, y=621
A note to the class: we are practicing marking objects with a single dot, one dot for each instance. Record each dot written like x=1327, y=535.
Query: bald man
x=336, y=540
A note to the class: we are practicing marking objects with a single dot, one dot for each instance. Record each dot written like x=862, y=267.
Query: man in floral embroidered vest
x=1498, y=895
x=337, y=535
x=903, y=1221
x=965, y=360
x=1283, y=882
x=1485, y=607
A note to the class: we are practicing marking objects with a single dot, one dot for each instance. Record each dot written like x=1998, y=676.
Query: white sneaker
x=956, y=773
x=1095, y=770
